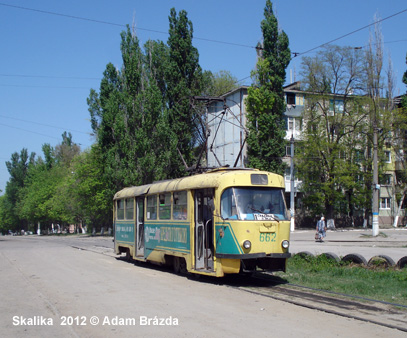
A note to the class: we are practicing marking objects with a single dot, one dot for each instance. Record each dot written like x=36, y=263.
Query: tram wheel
x=176, y=264
x=179, y=265
x=182, y=266
x=127, y=257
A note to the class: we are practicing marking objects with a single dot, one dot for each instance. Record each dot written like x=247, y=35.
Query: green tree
x=156, y=60
x=67, y=150
x=6, y=215
x=404, y=98
x=130, y=118
x=184, y=79
x=18, y=170
x=219, y=83
x=332, y=150
x=334, y=160
x=401, y=150
x=90, y=200
x=37, y=198
x=265, y=102
x=116, y=116
x=43, y=198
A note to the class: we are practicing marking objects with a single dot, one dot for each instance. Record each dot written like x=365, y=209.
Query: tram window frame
x=120, y=207
x=180, y=205
x=164, y=208
x=151, y=207
x=239, y=203
x=129, y=213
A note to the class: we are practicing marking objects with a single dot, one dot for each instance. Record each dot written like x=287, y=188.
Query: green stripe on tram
x=226, y=241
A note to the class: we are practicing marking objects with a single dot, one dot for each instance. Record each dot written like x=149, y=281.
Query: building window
x=290, y=98
x=385, y=202
x=336, y=107
x=293, y=124
x=287, y=174
x=359, y=156
x=387, y=156
x=386, y=179
x=290, y=122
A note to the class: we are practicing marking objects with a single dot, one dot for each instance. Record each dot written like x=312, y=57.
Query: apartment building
x=226, y=145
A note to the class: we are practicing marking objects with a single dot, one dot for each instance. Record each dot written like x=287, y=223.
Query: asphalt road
x=390, y=242
x=75, y=287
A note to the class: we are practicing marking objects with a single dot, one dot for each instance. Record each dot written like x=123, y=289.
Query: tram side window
x=120, y=209
x=165, y=206
x=129, y=208
x=180, y=205
x=228, y=205
x=152, y=207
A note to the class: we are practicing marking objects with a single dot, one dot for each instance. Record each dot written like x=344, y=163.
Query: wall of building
x=227, y=131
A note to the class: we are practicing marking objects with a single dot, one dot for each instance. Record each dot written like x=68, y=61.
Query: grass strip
x=377, y=282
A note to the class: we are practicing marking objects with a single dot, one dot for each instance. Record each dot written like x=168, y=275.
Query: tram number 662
x=268, y=237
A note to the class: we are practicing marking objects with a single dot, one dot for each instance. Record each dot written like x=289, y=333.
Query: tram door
x=140, y=226
x=204, y=229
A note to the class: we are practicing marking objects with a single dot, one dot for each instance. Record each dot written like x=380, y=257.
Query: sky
x=54, y=52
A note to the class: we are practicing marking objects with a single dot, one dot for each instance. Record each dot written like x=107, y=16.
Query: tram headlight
x=285, y=244
x=247, y=244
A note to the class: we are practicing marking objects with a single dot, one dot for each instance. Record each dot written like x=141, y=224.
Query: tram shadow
x=257, y=279
x=145, y=265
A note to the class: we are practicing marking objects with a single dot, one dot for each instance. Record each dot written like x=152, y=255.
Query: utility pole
x=376, y=187
x=292, y=204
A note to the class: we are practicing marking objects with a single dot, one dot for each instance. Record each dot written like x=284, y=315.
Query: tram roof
x=210, y=179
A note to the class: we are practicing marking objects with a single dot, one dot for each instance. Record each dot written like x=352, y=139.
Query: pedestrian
x=321, y=230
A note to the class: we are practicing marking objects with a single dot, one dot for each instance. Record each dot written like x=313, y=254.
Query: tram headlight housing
x=247, y=244
x=285, y=244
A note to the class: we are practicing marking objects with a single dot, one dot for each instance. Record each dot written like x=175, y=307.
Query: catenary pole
x=376, y=187
x=292, y=204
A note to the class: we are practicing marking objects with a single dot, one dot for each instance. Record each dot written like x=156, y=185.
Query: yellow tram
x=221, y=222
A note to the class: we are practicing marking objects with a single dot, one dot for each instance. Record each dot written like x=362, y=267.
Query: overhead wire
x=43, y=124
x=197, y=38
x=29, y=131
x=295, y=54
x=161, y=32
x=51, y=77
x=118, y=25
x=38, y=86
x=353, y=32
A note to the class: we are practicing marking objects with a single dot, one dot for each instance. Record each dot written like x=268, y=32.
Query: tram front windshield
x=254, y=204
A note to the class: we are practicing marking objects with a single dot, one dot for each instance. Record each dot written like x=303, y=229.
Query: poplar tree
x=184, y=79
x=404, y=98
x=265, y=102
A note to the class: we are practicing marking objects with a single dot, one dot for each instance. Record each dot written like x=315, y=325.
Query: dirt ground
x=58, y=287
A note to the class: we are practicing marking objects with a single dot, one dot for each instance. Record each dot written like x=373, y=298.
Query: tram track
x=385, y=314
